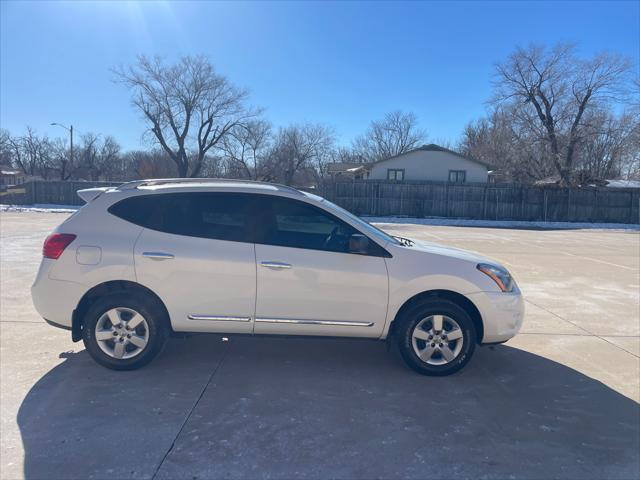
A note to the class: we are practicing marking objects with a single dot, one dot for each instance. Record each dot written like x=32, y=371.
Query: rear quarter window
x=138, y=210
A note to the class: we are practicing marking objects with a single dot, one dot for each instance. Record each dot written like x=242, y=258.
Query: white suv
x=153, y=257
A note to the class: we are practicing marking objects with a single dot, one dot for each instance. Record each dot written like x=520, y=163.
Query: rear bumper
x=55, y=300
x=502, y=314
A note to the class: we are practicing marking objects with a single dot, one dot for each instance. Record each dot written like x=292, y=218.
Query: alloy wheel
x=122, y=333
x=437, y=339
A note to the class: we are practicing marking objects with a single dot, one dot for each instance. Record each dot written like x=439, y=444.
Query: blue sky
x=342, y=64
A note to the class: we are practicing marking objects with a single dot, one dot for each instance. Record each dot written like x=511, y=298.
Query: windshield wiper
x=407, y=242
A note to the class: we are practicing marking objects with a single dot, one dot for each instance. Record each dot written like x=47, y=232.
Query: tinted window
x=291, y=223
x=220, y=216
x=136, y=210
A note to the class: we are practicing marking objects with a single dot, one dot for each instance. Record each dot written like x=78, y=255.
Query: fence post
x=353, y=196
x=446, y=200
x=544, y=215
x=484, y=202
x=464, y=202
x=372, y=194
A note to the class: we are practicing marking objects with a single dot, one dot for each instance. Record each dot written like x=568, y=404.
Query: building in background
x=10, y=176
x=346, y=170
x=429, y=163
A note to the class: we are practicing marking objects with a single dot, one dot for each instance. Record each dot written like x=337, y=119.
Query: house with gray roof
x=429, y=163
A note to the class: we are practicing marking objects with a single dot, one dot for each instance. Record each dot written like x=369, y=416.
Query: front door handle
x=279, y=265
x=158, y=255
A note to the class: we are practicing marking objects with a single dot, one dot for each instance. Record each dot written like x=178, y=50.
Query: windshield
x=367, y=227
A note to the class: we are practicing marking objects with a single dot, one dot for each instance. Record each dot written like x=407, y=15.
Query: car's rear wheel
x=436, y=337
x=124, y=332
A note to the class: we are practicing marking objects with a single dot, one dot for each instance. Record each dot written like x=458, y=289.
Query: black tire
x=424, y=309
x=156, y=321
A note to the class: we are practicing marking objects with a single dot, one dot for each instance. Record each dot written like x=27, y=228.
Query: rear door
x=307, y=282
x=197, y=255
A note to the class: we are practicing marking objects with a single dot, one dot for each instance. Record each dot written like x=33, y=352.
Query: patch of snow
x=623, y=183
x=40, y=207
x=455, y=222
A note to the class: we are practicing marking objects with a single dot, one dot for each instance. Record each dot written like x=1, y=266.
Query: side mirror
x=358, y=244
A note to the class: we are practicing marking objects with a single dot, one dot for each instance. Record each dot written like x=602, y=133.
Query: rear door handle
x=279, y=265
x=158, y=255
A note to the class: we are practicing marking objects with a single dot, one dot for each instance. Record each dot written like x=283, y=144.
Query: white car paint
x=222, y=286
x=321, y=286
x=206, y=277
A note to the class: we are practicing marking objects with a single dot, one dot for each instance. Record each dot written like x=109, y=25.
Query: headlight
x=499, y=275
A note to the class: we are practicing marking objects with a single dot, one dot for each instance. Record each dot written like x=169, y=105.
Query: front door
x=198, y=257
x=307, y=282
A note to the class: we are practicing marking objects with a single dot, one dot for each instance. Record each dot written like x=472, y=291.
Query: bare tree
x=635, y=94
x=246, y=149
x=297, y=148
x=99, y=158
x=347, y=155
x=61, y=159
x=508, y=144
x=397, y=133
x=32, y=153
x=6, y=153
x=213, y=166
x=110, y=165
x=553, y=89
x=610, y=149
x=190, y=108
x=148, y=164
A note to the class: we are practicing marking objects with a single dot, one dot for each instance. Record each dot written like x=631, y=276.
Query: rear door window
x=214, y=215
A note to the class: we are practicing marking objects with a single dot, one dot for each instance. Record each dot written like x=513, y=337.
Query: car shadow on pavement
x=316, y=408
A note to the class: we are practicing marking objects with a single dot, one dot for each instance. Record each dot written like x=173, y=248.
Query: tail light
x=55, y=244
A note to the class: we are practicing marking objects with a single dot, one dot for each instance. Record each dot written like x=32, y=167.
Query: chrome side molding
x=218, y=318
x=315, y=322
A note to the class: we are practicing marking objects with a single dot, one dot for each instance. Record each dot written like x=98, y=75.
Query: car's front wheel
x=123, y=331
x=436, y=337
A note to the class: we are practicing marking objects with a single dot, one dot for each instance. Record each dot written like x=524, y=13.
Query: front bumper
x=502, y=314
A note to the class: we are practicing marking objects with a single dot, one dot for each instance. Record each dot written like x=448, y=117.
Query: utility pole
x=70, y=130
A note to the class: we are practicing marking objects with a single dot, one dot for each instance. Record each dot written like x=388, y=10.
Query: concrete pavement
x=560, y=400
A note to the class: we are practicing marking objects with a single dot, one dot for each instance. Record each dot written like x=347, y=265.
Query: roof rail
x=167, y=181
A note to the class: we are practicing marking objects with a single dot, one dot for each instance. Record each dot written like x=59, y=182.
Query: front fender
x=401, y=292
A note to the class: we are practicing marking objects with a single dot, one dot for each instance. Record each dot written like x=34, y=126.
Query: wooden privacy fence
x=56, y=192
x=483, y=201
x=486, y=201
